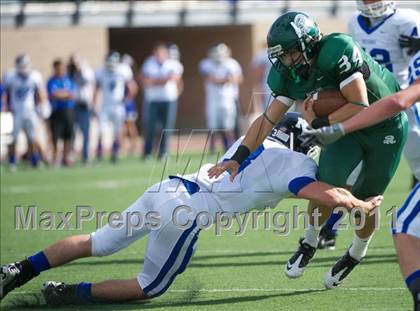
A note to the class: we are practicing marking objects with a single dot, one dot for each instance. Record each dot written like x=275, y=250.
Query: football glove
x=327, y=134
x=412, y=43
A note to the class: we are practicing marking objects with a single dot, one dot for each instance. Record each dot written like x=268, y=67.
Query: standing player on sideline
x=378, y=27
x=222, y=75
x=116, y=85
x=407, y=227
x=271, y=173
x=25, y=89
x=304, y=61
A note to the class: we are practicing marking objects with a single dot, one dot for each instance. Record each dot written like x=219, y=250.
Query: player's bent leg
x=406, y=233
x=104, y=241
x=168, y=251
x=336, y=164
x=353, y=256
x=408, y=252
x=59, y=294
x=295, y=266
x=16, y=274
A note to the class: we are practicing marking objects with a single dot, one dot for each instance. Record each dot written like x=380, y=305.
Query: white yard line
x=268, y=290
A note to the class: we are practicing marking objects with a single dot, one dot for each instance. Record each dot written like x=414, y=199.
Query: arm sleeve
x=275, y=83
x=228, y=154
x=414, y=69
x=342, y=59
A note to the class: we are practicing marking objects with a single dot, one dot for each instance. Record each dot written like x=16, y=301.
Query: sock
x=359, y=247
x=330, y=224
x=115, y=147
x=311, y=236
x=39, y=262
x=12, y=159
x=413, y=284
x=84, y=291
x=34, y=159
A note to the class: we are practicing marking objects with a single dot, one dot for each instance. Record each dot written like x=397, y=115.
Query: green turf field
x=226, y=273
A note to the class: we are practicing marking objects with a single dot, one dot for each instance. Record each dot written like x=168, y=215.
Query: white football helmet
x=112, y=61
x=376, y=9
x=219, y=52
x=23, y=64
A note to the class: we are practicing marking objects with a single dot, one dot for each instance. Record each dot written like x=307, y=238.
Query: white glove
x=327, y=134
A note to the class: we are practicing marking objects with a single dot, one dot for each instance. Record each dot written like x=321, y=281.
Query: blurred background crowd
x=86, y=80
x=46, y=113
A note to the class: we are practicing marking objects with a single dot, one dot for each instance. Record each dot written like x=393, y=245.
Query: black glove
x=412, y=43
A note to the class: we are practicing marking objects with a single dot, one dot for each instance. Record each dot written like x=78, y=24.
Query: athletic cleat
x=59, y=294
x=296, y=265
x=339, y=271
x=14, y=275
x=327, y=239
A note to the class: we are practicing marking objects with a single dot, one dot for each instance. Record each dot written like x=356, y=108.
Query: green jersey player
x=304, y=61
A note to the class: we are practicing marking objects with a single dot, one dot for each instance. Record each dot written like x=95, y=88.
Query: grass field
x=226, y=273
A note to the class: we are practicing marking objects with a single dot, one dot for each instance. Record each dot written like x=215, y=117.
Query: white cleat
x=296, y=265
x=336, y=275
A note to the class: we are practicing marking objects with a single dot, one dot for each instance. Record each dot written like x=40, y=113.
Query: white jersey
x=271, y=173
x=112, y=85
x=227, y=92
x=412, y=149
x=151, y=68
x=22, y=90
x=381, y=40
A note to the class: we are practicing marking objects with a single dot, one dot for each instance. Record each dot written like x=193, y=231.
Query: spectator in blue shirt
x=61, y=93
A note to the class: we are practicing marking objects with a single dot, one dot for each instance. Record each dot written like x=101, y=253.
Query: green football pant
x=380, y=147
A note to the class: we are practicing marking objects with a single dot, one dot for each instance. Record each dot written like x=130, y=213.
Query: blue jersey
x=61, y=83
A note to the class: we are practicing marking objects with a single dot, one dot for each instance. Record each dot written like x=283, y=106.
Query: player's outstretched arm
x=254, y=137
x=384, y=109
x=376, y=113
x=330, y=196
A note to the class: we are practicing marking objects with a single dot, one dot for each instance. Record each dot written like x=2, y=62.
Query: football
x=328, y=101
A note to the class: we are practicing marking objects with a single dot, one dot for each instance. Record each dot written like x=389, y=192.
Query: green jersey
x=339, y=61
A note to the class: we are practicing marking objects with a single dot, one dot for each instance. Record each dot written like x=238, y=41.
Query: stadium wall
x=45, y=44
x=194, y=43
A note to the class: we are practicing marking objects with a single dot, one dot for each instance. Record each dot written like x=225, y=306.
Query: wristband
x=320, y=122
x=268, y=119
x=241, y=154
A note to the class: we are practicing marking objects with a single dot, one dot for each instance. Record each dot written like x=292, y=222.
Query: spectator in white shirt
x=160, y=77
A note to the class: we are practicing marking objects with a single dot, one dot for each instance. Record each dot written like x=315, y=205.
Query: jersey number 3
x=382, y=57
x=344, y=63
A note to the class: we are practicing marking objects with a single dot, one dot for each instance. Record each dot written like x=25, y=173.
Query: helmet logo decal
x=300, y=22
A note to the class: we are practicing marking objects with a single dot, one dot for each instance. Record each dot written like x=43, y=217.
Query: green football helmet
x=293, y=30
